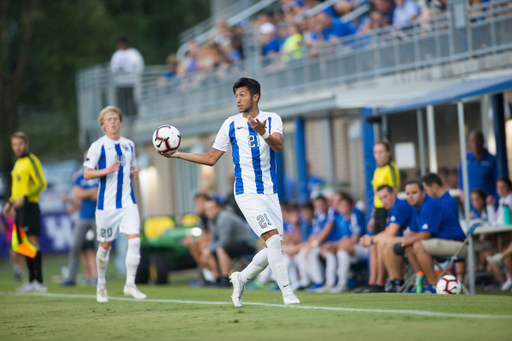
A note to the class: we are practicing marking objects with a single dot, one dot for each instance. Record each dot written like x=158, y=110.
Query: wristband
x=371, y=241
x=314, y=243
x=266, y=135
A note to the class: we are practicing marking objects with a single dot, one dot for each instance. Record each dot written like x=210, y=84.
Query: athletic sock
x=315, y=268
x=30, y=267
x=258, y=264
x=302, y=263
x=330, y=270
x=276, y=262
x=132, y=260
x=343, y=267
x=38, y=267
x=101, y=263
x=293, y=275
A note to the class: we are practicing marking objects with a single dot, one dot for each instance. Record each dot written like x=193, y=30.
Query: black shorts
x=380, y=220
x=238, y=249
x=28, y=217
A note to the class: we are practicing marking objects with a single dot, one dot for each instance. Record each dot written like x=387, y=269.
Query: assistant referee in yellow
x=27, y=183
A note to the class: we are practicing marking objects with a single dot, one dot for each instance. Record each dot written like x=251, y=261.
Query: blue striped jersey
x=115, y=189
x=253, y=159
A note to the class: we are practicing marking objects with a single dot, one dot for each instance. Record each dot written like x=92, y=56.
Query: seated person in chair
x=400, y=219
x=231, y=237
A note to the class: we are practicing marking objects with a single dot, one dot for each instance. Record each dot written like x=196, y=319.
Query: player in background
x=111, y=158
x=28, y=182
x=254, y=136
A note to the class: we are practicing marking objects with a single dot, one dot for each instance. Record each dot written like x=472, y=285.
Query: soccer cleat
x=68, y=283
x=238, y=288
x=430, y=290
x=26, y=287
x=507, y=285
x=101, y=292
x=40, y=287
x=374, y=289
x=290, y=298
x=314, y=287
x=325, y=288
x=496, y=259
x=338, y=289
x=131, y=290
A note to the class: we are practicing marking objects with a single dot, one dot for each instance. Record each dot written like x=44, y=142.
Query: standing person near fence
x=28, y=182
x=386, y=173
x=86, y=191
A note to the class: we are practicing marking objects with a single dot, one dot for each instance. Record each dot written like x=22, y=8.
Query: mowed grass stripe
x=385, y=311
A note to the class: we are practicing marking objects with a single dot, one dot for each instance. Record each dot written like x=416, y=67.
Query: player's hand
x=135, y=172
x=365, y=240
x=7, y=208
x=18, y=202
x=114, y=167
x=169, y=155
x=257, y=125
x=490, y=200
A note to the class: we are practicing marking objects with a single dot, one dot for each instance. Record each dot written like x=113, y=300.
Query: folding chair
x=455, y=258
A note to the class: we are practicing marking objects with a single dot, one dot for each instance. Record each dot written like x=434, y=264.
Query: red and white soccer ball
x=448, y=285
x=166, y=138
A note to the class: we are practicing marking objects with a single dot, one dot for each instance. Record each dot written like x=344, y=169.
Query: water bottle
x=506, y=215
x=419, y=282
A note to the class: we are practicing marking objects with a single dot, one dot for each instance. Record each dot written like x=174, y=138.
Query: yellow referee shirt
x=27, y=178
x=385, y=175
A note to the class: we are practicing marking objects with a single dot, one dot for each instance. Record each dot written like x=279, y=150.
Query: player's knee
x=106, y=245
x=417, y=247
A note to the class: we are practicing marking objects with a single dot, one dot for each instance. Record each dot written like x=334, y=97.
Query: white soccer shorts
x=262, y=212
x=109, y=223
x=360, y=252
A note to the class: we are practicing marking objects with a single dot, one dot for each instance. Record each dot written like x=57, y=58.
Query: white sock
x=302, y=263
x=343, y=267
x=330, y=269
x=208, y=275
x=315, y=268
x=132, y=260
x=102, y=256
x=258, y=264
x=293, y=275
x=276, y=262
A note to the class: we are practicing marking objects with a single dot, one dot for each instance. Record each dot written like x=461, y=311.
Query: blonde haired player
x=111, y=158
x=254, y=136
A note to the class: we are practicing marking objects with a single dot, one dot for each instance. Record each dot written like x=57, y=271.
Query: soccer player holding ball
x=255, y=136
x=111, y=158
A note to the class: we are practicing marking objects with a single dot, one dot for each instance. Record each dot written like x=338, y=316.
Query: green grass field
x=366, y=316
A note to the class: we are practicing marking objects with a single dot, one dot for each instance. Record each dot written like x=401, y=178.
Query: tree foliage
x=43, y=43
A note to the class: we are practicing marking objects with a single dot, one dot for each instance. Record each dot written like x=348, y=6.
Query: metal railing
x=484, y=29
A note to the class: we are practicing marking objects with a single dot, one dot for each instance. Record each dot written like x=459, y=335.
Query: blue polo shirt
x=447, y=200
x=338, y=29
x=88, y=209
x=402, y=214
x=482, y=173
x=428, y=217
x=272, y=45
x=348, y=226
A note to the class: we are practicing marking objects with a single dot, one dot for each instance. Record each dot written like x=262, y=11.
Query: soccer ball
x=448, y=285
x=166, y=138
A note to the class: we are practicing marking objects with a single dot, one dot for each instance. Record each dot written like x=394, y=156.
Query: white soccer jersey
x=254, y=160
x=115, y=190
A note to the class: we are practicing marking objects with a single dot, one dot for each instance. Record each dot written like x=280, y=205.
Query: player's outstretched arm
x=208, y=159
x=98, y=173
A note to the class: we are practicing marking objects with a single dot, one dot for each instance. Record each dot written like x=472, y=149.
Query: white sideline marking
x=385, y=311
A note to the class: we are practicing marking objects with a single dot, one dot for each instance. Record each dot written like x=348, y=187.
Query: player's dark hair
x=293, y=207
x=386, y=187
x=387, y=146
x=123, y=40
x=480, y=193
x=349, y=199
x=415, y=182
x=506, y=181
x=202, y=195
x=308, y=205
x=215, y=199
x=431, y=178
x=321, y=197
x=342, y=194
x=251, y=84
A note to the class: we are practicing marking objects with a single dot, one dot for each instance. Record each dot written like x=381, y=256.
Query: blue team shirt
x=88, y=210
x=438, y=219
x=447, y=200
x=305, y=229
x=338, y=29
x=348, y=226
x=402, y=214
x=321, y=220
x=271, y=46
x=482, y=173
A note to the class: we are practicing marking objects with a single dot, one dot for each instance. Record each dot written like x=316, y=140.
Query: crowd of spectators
x=290, y=30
